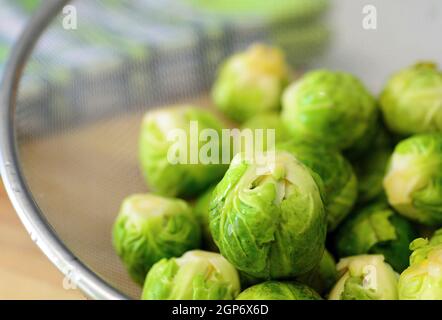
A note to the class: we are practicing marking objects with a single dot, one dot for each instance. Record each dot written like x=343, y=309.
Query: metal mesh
x=83, y=91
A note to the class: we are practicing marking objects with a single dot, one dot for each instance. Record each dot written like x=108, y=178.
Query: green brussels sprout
x=323, y=276
x=370, y=168
x=379, y=230
x=274, y=290
x=202, y=209
x=413, y=181
x=268, y=120
x=251, y=82
x=149, y=228
x=158, y=147
x=197, y=275
x=330, y=108
x=365, y=277
x=422, y=280
x=339, y=180
x=411, y=102
x=267, y=216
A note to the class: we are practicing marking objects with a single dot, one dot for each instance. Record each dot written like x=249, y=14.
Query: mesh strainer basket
x=72, y=99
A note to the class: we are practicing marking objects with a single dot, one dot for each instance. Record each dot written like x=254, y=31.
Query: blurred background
x=102, y=63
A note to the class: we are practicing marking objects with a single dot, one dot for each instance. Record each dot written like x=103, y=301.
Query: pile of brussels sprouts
x=357, y=175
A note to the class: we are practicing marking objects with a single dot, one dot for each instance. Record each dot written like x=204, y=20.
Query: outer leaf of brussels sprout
x=322, y=277
x=274, y=290
x=421, y=247
x=149, y=228
x=371, y=166
x=267, y=217
x=423, y=279
x=251, y=82
x=179, y=179
x=379, y=230
x=365, y=277
x=413, y=181
x=339, y=180
x=411, y=101
x=197, y=275
x=202, y=209
x=330, y=108
x=395, y=252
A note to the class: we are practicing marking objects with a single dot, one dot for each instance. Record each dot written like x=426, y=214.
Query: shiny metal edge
x=76, y=273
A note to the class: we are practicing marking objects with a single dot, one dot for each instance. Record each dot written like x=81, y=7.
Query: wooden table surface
x=25, y=272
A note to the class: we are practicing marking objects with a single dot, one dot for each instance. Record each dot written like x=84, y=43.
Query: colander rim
x=77, y=273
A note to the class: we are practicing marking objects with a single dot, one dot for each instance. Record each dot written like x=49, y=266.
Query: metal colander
x=72, y=99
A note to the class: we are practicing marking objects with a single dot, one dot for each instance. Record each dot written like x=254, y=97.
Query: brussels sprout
x=197, y=275
x=370, y=168
x=149, y=228
x=268, y=120
x=322, y=277
x=251, y=82
x=202, y=208
x=413, y=181
x=267, y=217
x=412, y=100
x=376, y=229
x=421, y=247
x=423, y=279
x=330, y=108
x=175, y=178
x=365, y=277
x=274, y=290
x=339, y=180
